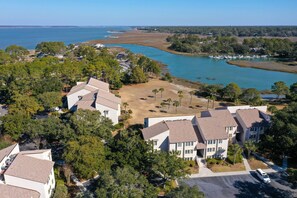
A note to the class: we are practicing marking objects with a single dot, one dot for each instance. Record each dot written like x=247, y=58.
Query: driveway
x=242, y=186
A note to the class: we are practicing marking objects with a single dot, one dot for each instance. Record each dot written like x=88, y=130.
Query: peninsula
x=159, y=40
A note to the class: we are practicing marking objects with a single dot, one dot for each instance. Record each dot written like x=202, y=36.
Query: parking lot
x=243, y=186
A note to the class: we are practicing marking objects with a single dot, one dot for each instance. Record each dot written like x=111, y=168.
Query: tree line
x=283, y=48
x=251, y=96
x=240, y=31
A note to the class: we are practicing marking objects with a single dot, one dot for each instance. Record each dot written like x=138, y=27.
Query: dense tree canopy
x=185, y=191
x=87, y=122
x=281, y=138
x=51, y=48
x=280, y=88
x=241, y=31
x=232, y=91
x=251, y=96
x=16, y=52
x=86, y=155
x=50, y=100
x=124, y=182
x=229, y=45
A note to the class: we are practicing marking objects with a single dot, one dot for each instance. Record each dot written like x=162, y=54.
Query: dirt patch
x=266, y=65
x=227, y=168
x=143, y=103
x=255, y=164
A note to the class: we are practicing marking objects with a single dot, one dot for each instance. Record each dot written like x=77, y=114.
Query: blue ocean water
x=210, y=71
x=194, y=68
x=29, y=37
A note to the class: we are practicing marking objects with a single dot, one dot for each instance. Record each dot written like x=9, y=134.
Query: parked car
x=263, y=176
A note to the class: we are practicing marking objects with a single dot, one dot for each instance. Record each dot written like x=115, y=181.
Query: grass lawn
x=255, y=164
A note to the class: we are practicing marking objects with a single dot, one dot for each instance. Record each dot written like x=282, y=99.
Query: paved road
x=242, y=186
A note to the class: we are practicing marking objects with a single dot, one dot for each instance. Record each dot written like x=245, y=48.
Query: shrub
x=292, y=176
x=191, y=163
x=212, y=161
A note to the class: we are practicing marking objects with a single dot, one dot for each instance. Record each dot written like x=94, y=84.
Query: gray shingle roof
x=6, y=151
x=30, y=168
x=225, y=117
x=98, y=84
x=154, y=130
x=8, y=191
x=250, y=117
x=179, y=131
x=212, y=128
x=108, y=99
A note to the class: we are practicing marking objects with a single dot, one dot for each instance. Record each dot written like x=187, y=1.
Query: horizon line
x=148, y=25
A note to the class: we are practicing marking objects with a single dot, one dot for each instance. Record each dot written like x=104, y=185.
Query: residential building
x=27, y=173
x=207, y=136
x=173, y=135
x=253, y=123
x=191, y=136
x=95, y=95
x=225, y=119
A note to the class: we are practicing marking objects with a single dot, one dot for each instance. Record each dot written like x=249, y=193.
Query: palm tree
x=250, y=147
x=208, y=100
x=169, y=100
x=161, y=90
x=236, y=149
x=176, y=104
x=180, y=95
x=155, y=91
x=163, y=104
x=191, y=94
x=213, y=98
x=272, y=109
x=125, y=105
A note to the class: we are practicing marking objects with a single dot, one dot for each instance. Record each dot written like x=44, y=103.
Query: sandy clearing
x=143, y=104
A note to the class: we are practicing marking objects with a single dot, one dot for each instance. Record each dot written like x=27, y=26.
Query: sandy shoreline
x=265, y=65
x=138, y=37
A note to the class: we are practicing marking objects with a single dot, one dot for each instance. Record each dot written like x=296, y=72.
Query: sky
x=148, y=12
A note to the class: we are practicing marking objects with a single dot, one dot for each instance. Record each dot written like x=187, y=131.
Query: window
x=105, y=113
x=208, y=149
x=155, y=142
x=211, y=141
x=230, y=128
x=188, y=151
x=230, y=135
x=220, y=141
x=189, y=143
x=80, y=97
x=179, y=144
x=213, y=149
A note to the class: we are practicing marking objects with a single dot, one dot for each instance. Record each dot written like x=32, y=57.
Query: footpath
x=206, y=172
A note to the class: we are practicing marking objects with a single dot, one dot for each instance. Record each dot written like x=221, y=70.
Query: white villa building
x=26, y=174
x=95, y=95
x=207, y=136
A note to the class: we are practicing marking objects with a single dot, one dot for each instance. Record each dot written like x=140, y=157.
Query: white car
x=263, y=176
